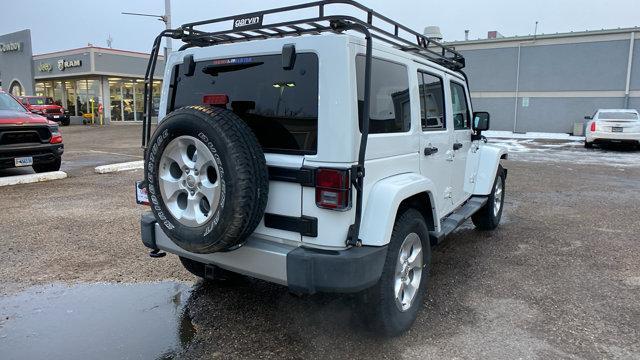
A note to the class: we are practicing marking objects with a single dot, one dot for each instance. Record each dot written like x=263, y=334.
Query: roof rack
x=251, y=26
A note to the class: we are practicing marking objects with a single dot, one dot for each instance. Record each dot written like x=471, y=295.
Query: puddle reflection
x=96, y=321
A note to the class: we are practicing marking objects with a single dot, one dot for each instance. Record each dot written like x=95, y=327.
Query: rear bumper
x=599, y=136
x=41, y=153
x=301, y=269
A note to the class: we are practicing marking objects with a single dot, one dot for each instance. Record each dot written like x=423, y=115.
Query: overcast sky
x=74, y=23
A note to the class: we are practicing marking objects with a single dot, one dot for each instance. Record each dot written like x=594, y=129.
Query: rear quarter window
x=390, y=108
x=280, y=106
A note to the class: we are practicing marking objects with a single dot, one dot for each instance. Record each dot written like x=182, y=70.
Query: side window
x=431, y=102
x=390, y=110
x=461, y=117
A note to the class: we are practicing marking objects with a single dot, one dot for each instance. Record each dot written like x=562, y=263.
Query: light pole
x=166, y=19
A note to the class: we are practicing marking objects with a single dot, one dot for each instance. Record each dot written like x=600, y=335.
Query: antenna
x=109, y=42
x=535, y=31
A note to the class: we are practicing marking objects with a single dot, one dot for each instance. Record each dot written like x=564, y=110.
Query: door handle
x=430, y=151
x=457, y=146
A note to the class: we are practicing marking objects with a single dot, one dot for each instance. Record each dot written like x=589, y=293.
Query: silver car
x=616, y=126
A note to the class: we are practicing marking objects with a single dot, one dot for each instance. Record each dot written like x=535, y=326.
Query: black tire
x=486, y=218
x=588, y=145
x=242, y=173
x=65, y=122
x=47, y=167
x=379, y=304
x=198, y=269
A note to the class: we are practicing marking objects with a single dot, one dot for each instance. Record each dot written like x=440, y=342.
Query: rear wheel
x=65, y=122
x=392, y=305
x=588, y=145
x=488, y=217
x=47, y=167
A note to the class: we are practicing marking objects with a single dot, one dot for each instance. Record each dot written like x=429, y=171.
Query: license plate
x=616, y=129
x=142, y=197
x=24, y=161
x=56, y=116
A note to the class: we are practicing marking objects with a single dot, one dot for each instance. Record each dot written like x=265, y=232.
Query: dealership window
x=126, y=98
x=139, y=99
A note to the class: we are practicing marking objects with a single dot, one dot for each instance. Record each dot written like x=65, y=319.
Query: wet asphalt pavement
x=560, y=278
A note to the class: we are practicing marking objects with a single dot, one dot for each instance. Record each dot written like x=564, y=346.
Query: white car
x=266, y=132
x=616, y=126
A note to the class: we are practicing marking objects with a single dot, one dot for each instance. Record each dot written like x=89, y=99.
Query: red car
x=46, y=107
x=27, y=139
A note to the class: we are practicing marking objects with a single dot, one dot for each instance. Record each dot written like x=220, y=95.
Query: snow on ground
x=554, y=151
x=530, y=135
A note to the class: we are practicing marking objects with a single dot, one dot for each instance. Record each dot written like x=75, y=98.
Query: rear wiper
x=215, y=69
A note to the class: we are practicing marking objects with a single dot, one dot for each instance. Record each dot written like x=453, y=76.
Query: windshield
x=9, y=103
x=280, y=106
x=41, y=101
x=618, y=116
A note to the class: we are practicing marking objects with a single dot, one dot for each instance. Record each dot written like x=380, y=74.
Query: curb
x=132, y=165
x=32, y=178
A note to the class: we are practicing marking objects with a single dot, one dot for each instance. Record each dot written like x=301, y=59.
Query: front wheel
x=392, y=305
x=488, y=217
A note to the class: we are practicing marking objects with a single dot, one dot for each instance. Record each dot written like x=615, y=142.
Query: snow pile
x=566, y=152
x=530, y=135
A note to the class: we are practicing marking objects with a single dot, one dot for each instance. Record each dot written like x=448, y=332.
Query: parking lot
x=560, y=278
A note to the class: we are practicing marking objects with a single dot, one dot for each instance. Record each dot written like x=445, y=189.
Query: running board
x=456, y=218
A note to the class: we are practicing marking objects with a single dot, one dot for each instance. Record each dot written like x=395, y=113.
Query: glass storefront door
x=128, y=102
x=115, y=99
x=82, y=99
x=70, y=92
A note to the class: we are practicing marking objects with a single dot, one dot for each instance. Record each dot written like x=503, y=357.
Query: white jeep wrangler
x=306, y=154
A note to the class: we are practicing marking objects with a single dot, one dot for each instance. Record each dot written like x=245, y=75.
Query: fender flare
x=489, y=160
x=383, y=201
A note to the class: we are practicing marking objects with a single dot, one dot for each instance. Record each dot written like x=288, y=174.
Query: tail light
x=56, y=137
x=593, y=126
x=333, y=189
x=215, y=99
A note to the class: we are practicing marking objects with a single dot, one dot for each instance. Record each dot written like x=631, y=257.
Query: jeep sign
x=248, y=23
x=13, y=46
x=44, y=67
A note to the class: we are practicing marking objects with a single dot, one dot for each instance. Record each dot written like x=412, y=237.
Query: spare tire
x=207, y=178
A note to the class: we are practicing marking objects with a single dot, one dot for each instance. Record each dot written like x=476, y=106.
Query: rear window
x=618, y=116
x=280, y=106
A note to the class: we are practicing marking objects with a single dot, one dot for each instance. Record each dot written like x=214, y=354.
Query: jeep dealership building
x=84, y=80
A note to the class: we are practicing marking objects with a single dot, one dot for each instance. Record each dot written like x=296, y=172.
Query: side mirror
x=480, y=121
x=588, y=118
